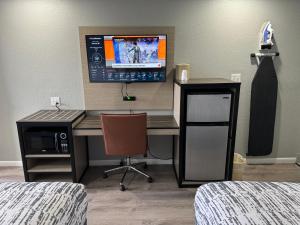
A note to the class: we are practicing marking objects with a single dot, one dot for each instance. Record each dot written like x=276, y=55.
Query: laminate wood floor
x=158, y=203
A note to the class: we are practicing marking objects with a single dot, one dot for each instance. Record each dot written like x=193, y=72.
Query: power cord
x=126, y=89
x=122, y=90
x=57, y=107
x=156, y=157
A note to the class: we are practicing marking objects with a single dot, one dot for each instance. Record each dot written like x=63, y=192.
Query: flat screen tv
x=127, y=58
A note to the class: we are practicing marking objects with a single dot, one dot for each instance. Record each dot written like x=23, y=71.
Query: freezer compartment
x=208, y=107
x=206, y=151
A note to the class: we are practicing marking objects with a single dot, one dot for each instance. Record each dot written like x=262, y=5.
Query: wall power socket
x=298, y=159
x=236, y=77
x=55, y=101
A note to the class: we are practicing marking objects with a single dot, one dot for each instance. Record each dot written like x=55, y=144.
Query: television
x=126, y=58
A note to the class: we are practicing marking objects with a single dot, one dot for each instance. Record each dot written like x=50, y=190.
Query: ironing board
x=263, y=109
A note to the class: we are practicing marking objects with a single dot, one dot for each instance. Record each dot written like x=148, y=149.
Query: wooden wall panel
x=107, y=96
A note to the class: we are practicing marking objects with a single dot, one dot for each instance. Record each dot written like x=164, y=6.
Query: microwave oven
x=46, y=141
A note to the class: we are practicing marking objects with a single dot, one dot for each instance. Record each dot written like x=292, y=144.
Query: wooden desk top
x=153, y=122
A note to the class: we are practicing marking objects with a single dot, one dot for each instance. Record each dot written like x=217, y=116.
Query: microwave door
x=48, y=145
x=39, y=143
x=36, y=145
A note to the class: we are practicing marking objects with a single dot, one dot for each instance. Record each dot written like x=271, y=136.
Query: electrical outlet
x=236, y=77
x=298, y=159
x=55, y=100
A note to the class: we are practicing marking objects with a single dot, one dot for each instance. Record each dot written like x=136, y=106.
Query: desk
x=156, y=125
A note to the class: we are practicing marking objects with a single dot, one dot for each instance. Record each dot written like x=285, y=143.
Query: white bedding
x=43, y=203
x=248, y=203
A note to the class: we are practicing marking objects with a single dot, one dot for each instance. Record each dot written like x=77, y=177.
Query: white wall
x=40, y=57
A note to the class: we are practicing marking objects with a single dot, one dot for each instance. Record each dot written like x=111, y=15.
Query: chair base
x=128, y=167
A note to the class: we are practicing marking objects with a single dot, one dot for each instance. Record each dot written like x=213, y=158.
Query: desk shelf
x=47, y=156
x=49, y=166
x=51, y=177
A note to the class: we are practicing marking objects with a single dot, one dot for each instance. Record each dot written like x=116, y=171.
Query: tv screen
x=127, y=58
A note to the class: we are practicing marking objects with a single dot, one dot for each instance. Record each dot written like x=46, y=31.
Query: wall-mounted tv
x=127, y=58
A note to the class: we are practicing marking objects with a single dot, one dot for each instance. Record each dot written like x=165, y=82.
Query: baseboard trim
x=10, y=163
x=253, y=161
x=117, y=162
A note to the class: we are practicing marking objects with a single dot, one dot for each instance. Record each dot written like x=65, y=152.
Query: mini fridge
x=207, y=136
x=206, y=111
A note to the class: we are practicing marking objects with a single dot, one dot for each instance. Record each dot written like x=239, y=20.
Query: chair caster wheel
x=149, y=179
x=104, y=175
x=122, y=187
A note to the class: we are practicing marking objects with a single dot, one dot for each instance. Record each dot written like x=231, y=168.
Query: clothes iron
x=266, y=34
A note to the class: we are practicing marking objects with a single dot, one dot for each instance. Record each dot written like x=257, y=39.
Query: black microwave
x=46, y=141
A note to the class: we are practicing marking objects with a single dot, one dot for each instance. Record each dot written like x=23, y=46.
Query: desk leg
x=175, y=155
x=81, y=156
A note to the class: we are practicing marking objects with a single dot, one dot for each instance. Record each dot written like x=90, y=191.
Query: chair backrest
x=125, y=135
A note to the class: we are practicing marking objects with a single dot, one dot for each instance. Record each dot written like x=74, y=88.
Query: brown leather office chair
x=125, y=135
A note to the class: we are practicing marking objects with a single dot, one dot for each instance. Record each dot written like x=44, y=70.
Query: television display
x=127, y=58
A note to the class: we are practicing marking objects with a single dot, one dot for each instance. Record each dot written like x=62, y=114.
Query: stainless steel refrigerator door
x=208, y=107
x=206, y=150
